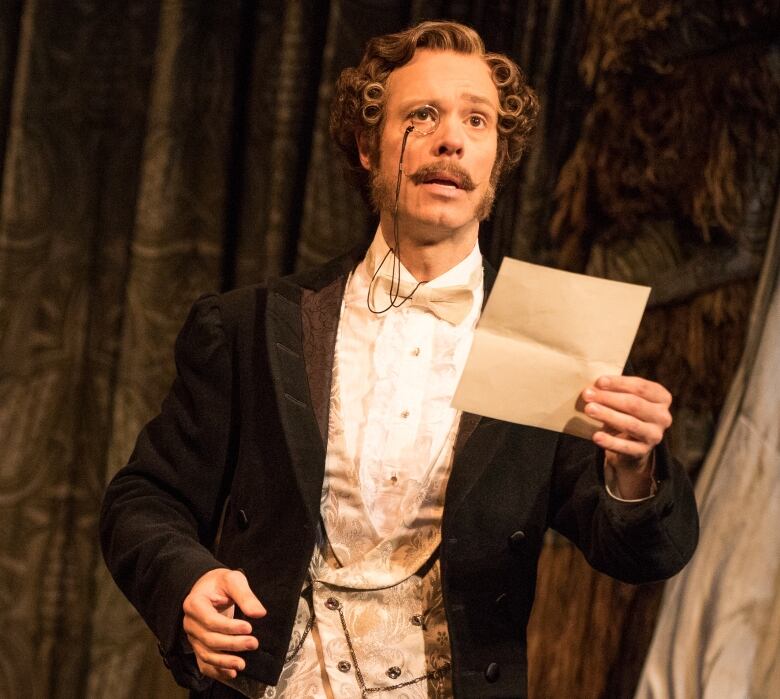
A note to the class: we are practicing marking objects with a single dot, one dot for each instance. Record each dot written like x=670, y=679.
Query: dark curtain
x=151, y=151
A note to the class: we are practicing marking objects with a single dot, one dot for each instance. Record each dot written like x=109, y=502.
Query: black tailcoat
x=229, y=474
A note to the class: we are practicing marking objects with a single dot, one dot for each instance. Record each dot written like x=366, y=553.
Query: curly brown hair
x=358, y=104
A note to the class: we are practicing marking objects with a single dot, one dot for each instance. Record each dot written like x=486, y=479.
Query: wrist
x=630, y=480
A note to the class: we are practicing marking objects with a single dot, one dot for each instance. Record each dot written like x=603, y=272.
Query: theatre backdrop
x=150, y=151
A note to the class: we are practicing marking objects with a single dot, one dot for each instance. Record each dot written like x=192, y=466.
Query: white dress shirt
x=398, y=372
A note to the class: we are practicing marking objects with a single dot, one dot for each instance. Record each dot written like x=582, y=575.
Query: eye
x=422, y=114
x=477, y=121
x=424, y=119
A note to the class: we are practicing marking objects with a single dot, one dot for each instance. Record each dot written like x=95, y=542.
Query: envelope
x=543, y=337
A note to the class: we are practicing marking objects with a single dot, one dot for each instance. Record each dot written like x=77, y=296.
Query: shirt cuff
x=613, y=490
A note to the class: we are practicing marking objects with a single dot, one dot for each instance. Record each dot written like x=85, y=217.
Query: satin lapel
x=288, y=371
x=320, y=312
x=301, y=323
x=470, y=421
x=471, y=460
x=467, y=467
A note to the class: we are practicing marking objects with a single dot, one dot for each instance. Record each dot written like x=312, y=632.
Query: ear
x=363, y=149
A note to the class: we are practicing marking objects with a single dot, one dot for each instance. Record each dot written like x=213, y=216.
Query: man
x=308, y=516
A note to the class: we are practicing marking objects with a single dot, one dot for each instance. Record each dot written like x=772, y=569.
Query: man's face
x=447, y=174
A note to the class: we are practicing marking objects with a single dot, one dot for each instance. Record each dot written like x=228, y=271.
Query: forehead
x=431, y=74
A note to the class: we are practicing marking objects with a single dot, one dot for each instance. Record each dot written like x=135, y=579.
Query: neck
x=429, y=252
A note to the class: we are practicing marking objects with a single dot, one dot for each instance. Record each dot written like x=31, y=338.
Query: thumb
x=237, y=588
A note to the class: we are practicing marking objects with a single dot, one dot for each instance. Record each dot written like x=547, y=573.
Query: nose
x=448, y=138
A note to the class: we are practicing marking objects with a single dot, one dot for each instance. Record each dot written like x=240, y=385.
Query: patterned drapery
x=151, y=151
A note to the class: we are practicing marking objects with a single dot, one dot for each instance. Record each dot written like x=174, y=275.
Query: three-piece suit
x=229, y=474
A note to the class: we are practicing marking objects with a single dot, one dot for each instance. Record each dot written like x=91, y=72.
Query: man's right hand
x=209, y=624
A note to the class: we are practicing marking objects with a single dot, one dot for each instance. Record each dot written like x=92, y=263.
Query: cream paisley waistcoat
x=381, y=596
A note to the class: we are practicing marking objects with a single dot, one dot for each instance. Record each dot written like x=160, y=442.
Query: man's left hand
x=635, y=413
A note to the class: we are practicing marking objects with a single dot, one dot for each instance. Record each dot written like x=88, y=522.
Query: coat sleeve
x=635, y=542
x=162, y=510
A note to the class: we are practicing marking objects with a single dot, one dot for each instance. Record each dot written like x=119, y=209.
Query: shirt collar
x=468, y=272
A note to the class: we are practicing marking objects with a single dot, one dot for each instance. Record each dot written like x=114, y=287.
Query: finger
x=238, y=589
x=649, y=390
x=630, y=404
x=215, y=672
x=616, y=421
x=223, y=661
x=199, y=609
x=621, y=445
x=219, y=641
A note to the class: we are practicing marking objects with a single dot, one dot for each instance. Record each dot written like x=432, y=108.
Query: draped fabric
x=151, y=151
x=718, y=633
x=671, y=183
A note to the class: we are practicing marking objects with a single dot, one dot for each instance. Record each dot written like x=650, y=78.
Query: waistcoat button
x=344, y=666
x=394, y=672
x=332, y=603
x=492, y=672
x=417, y=620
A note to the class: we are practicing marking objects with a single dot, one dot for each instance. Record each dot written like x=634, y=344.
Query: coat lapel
x=468, y=464
x=301, y=322
x=470, y=421
x=320, y=311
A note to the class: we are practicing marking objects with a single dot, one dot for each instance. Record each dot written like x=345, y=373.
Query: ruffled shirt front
x=398, y=371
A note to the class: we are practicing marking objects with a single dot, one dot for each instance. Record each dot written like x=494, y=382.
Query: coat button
x=516, y=540
x=243, y=519
x=492, y=672
x=344, y=666
x=417, y=619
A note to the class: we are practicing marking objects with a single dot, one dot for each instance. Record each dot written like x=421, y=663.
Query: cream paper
x=544, y=336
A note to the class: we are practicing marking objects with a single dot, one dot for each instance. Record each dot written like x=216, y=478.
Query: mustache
x=431, y=170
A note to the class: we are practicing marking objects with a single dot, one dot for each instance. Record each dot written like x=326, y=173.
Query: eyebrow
x=478, y=99
x=467, y=96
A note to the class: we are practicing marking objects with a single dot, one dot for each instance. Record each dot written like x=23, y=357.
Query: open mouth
x=444, y=176
x=445, y=180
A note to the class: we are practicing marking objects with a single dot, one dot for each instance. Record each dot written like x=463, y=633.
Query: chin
x=443, y=217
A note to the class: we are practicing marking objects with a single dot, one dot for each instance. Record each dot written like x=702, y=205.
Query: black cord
x=395, y=278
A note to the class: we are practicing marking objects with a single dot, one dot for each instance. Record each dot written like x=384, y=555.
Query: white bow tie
x=450, y=303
